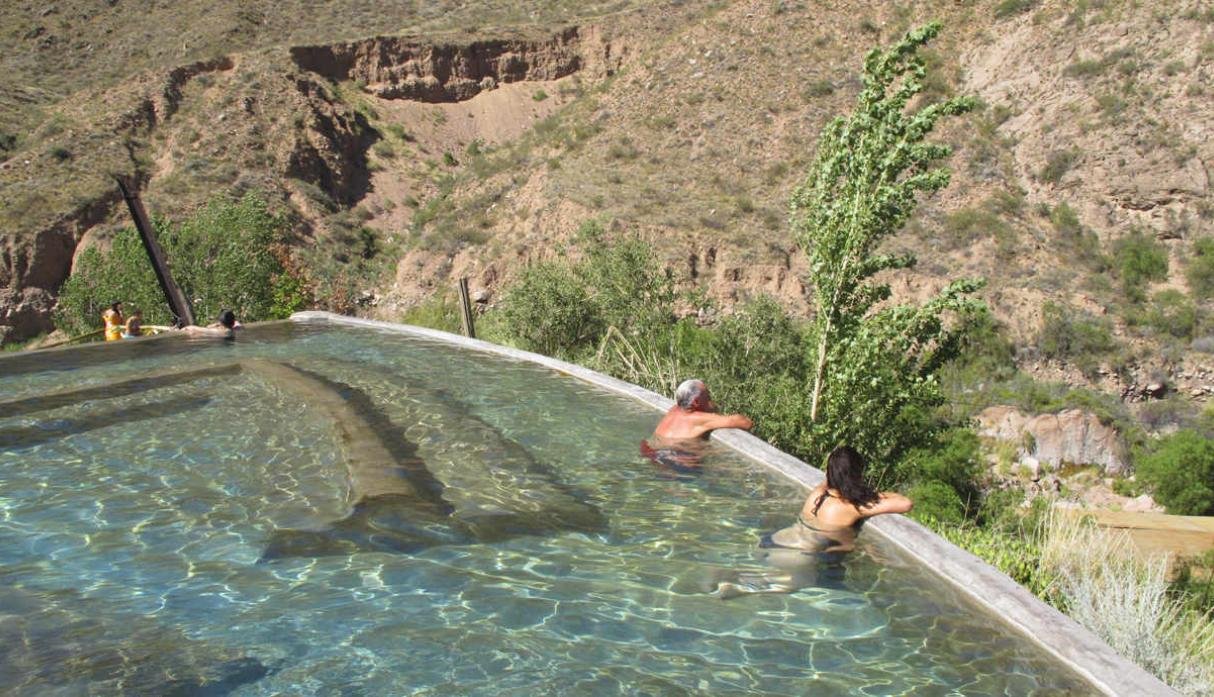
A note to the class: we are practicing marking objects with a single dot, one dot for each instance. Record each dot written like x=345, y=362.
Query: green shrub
x=954, y=460
x=440, y=311
x=1073, y=236
x=548, y=310
x=230, y=254
x=1071, y=334
x=1011, y=8
x=936, y=503
x=965, y=226
x=1015, y=555
x=1199, y=271
x=1139, y=259
x=564, y=310
x=1180, y=468
x=1169, y=313
x=818, y=88
x=1057, y=164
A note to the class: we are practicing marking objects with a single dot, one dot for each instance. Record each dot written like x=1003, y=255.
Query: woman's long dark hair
x=845, y=474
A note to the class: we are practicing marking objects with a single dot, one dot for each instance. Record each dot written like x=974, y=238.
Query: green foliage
x=1139, y=259
x=441, y=311
x=1011, y=8
x=1080, y=242
x=1057, y=164
x=1169, y=313
x=563, y=310
x=1193, y=583
x=1180, y=468
x=936, y=503
x=1015, y=555
x=548, y=310
x=1073, y=335
x=1199, y=271
x=229, y=254
x=953, y=460
x=818, y=88
x=986, y=357
x=874, y=379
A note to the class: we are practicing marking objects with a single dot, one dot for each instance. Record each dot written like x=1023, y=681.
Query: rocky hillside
x=414, y=146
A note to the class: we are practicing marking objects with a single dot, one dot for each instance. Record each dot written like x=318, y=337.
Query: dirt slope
x=471, y=142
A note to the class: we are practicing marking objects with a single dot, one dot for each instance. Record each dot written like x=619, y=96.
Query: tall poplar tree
x=874, y=370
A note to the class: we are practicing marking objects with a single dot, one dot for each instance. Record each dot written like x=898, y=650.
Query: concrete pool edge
x=1064, y=639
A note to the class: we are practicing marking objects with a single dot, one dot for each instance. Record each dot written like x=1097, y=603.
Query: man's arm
x=710, y=422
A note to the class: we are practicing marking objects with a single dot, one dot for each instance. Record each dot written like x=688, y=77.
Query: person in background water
x=224, y=326
x=826, y=528
x=112, y=318
x=678, y=441
x=134, y=325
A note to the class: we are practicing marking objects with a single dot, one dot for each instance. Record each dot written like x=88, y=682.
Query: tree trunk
x=819, y=372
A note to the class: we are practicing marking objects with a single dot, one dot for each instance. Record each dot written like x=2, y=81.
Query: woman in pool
x=825, y=528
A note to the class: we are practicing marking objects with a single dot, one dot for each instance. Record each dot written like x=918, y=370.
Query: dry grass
x=1104, y=584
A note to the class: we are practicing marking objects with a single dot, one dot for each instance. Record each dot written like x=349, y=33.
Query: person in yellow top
x=113, y=322
x=134, y=325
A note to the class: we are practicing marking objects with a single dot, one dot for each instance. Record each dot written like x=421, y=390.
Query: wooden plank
x=178, y=304
x=465, y=305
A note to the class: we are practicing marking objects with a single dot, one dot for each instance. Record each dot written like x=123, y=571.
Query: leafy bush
x=1015, y=555
x=1199, y=271
x=1057, y=164
x=1139, y=260
x=1073, y=335
x=230, y=254
x=936, y=503
x=953, y=460
x=1011, y=8
x=1080, y=241
x=1180, y=468
x=1169, y=313
x=548, y=310
x=566, y=310
x=874, y=381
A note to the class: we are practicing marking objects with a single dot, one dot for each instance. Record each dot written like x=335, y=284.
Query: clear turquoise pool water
x=134, y=525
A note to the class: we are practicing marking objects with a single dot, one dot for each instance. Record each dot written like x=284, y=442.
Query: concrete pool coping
x=1060, y=636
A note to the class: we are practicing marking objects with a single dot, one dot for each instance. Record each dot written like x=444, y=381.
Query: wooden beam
x=179, y=305
x=465, y=305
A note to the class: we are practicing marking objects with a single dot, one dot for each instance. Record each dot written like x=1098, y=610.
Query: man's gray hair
x=688, y=393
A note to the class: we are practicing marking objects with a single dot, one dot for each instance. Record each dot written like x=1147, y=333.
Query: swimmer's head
x=227, y=318
x=692, y=395
x=845, y=474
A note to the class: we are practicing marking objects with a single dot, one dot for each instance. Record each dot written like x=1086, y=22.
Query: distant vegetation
x=230, y=254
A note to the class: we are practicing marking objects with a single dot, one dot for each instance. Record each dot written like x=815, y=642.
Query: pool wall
x=1057, y=634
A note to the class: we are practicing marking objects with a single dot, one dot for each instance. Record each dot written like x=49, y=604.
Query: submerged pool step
x=112, y=390
x=397, y=503
x=487, y=474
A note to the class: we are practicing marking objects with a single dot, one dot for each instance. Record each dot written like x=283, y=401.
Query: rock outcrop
x=403, y=68
x=1071, y=436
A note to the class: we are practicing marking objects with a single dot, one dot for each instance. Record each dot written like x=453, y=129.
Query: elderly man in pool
x=678, y=441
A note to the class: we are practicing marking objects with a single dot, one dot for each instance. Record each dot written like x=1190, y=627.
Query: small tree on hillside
x=873, y=373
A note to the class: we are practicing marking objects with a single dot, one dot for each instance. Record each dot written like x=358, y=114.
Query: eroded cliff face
x=402, y=68
x=291, y=124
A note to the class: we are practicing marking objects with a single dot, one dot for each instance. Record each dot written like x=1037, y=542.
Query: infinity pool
x=337, y=511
